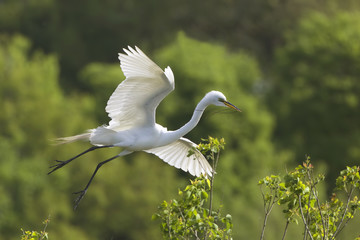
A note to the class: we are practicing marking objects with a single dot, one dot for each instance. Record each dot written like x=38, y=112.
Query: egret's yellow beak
x=232, y=106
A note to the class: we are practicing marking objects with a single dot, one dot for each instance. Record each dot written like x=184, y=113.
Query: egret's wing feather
x=135, y=100
x=177, y=154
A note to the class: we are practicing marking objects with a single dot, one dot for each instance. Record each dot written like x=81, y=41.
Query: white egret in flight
x=132, y=127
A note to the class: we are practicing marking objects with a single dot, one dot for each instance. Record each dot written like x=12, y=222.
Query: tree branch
x=339, y=228
x=303, y=218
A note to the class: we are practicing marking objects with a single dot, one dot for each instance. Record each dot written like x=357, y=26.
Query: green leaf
x=204, y=194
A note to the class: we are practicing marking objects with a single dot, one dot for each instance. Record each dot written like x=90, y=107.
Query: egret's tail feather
x=82, y=137
x=103, y=136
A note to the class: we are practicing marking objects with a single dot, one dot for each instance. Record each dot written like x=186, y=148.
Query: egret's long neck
x=199, y=110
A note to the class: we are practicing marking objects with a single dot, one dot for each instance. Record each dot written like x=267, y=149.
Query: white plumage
x=133, y=126
x=135, y=100
x=177, y=154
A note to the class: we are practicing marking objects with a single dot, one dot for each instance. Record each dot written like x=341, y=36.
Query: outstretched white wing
x=134, y=102
x=177, y=154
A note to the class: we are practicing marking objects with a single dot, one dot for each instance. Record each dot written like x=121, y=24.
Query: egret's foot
x=78, y=199
x=57, y=166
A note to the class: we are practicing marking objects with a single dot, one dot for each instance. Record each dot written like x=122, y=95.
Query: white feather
x=134, y=102
x=176, y=154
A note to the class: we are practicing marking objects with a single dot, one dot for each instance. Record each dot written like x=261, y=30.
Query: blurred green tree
x=316, y=89
x=84, y=32
x=33, y=110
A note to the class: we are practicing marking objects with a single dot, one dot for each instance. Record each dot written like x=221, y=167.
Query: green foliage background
x=291, y=66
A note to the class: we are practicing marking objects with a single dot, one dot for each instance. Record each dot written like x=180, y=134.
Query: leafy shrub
x=187, y=217
x=297, y=192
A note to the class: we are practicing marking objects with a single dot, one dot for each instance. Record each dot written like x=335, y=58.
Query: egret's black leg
x=60, y=164
x=83, y=192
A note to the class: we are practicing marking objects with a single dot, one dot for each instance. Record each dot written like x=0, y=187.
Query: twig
x=267, y=210
x=215, y=162
x=191, y=229
x=285, y=230
x=313, y=188
x=264, y=226
x=168, y=223
x=339, y=228
x=307, y=215
x=302, y=216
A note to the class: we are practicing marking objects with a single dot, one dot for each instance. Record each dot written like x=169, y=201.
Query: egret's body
x=132, y=109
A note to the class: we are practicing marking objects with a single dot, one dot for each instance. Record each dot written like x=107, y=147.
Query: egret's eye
x=221, y=100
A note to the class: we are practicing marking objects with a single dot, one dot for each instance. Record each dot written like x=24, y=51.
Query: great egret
x=132, y=127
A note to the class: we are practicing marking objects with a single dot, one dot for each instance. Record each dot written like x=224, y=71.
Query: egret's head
x=218, y=99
